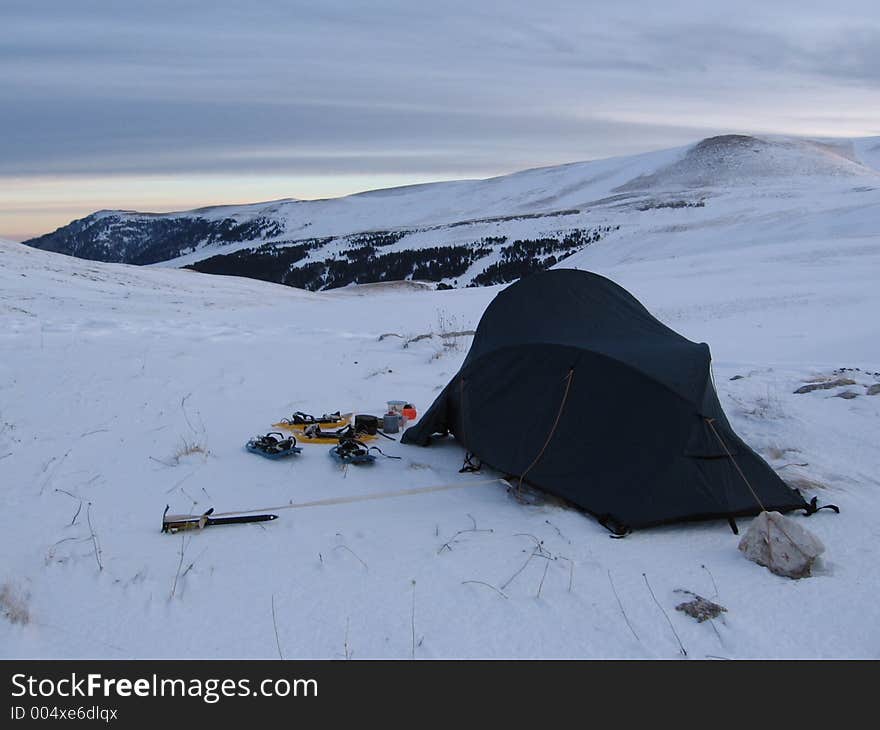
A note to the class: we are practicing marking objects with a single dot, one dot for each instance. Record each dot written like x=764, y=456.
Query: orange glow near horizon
x=32, y=206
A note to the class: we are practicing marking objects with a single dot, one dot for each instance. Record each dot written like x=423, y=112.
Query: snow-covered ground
x=109, y=372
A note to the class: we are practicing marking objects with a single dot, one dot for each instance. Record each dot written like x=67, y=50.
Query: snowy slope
x=455, y=232
x=867, y=151
x=109, y=370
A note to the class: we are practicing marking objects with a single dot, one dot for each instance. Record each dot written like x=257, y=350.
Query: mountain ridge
x=467, y=232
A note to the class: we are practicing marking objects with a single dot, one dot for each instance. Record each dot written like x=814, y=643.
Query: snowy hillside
x=123, y=389
x=490, y=231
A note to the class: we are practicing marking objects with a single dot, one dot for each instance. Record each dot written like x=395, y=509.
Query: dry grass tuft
x=805, y=484
x=776, y=453
x=189, y=448
x=13, y=605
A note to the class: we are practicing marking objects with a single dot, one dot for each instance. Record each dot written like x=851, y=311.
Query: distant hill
x=477, y=232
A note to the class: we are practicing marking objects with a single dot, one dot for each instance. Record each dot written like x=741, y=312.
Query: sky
x=170, y=105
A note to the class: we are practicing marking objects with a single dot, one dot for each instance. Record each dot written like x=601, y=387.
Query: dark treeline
x=376, y=238
x=363, y=263
x=360, y=266
x=527, y=255
x=269, y=262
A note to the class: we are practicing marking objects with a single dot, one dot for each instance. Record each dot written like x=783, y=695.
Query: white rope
x=362, y=497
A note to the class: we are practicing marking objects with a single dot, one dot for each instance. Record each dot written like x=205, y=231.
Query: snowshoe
x=301, y=419
x=273, y=445
x=352, y=451
x=316, y=434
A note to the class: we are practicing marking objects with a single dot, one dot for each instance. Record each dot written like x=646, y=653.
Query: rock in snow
x=781, y=545
x=839, y=382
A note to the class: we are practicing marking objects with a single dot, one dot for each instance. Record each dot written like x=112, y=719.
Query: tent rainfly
x=573, y=387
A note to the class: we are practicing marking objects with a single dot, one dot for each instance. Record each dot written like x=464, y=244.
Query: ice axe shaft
x=177, y=523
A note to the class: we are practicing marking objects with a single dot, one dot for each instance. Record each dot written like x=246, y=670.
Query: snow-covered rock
x=781, y=545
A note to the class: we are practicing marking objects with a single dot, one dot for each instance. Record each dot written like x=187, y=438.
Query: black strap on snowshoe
x=313, y=431
x=387, y=456
x=346, y=432
x=267, y=441
x=316, y=432
x=274, y=442
x=469, y=465
x=301, y=418
x=270, y=437
x=351, y=447
x=813, y=507
x=288, y=443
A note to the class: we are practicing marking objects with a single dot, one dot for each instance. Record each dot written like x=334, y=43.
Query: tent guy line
x=366, y=497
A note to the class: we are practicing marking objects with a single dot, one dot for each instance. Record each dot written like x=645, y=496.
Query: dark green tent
x=574, y=387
